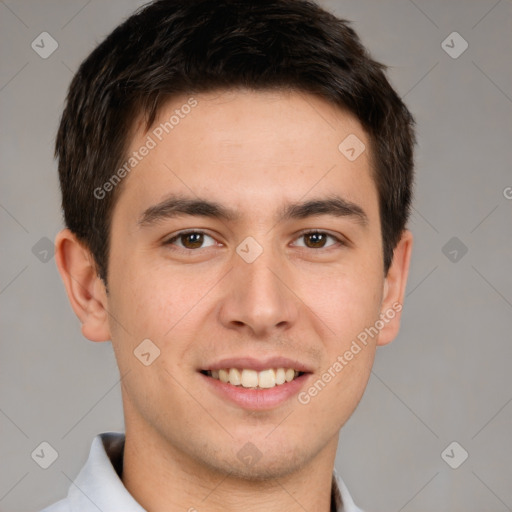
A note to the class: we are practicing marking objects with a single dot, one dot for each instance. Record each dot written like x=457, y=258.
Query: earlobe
x=86, y=291
x=394, y=289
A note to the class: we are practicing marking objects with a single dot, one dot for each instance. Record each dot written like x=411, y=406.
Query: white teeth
x=249, y=378
x=235, y=377
x=267, y=379
x=252, y=379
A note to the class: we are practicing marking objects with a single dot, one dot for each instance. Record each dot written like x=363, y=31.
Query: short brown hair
x=170, y=47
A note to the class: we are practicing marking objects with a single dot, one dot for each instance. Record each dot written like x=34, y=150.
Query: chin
x=250, y=463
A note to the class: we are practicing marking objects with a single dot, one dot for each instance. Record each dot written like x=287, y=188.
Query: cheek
x=347, y=300
x=160, y=302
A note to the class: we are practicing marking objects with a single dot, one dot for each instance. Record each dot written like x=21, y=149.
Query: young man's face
x=252, y=287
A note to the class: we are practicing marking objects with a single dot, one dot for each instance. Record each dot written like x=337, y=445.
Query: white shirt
x=98, y=486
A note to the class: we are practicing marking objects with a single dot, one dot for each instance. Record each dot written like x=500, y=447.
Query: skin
x=251, y=151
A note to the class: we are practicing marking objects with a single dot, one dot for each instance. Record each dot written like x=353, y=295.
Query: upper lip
x=258, y=365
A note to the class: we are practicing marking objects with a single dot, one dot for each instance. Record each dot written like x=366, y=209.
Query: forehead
x=251, y=149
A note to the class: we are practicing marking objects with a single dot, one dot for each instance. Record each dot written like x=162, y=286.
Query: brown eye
x=317, y=240
x=192, y=240
x=189, y=240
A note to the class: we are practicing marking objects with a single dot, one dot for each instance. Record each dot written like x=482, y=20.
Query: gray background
x=445, y=378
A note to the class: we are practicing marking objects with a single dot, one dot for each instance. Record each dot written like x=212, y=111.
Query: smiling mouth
x=246, y=378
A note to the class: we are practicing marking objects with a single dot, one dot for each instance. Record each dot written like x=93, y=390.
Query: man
x=236, y=181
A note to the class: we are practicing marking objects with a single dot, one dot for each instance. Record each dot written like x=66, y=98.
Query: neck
x=162, y=478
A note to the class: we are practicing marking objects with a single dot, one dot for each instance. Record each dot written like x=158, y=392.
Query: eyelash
x=178, y=235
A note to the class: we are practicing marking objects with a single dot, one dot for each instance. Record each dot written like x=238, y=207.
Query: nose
x=258, y=297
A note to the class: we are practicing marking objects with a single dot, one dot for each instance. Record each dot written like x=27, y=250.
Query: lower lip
x=257, y=399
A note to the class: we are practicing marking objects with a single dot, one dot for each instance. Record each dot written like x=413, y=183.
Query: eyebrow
x=177, y=205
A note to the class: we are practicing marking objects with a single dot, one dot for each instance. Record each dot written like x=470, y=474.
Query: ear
x=394, y=289
x=86, y=291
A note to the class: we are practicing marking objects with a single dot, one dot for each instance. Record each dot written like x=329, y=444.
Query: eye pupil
x=197, y=240
x=318, y=239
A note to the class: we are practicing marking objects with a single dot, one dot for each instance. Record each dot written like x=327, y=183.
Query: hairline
x=141, y=121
